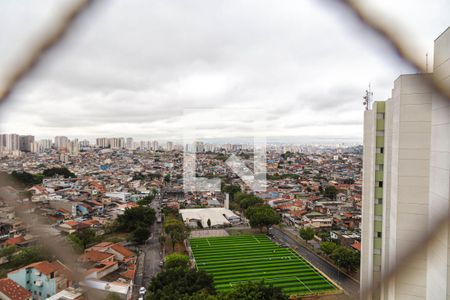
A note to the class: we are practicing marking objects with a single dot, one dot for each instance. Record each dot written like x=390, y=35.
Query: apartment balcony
x=380, y=141
x=378, y=193
x=378, y=209
x=379, y=159
x=379, y=176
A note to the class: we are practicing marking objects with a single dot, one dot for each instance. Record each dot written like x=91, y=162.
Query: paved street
x=348, y=284
x=150, y=255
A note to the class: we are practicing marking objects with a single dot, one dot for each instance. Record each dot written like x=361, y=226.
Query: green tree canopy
x=328, y=247
x=134, y=217
x=146, y=200
x=28, y=256
x=179, y=283
x=307, y=233
x=256, y=290
x=176, y=229
x=140, y=234
x=82, y=239
x=176, y=260
x=58, y=171
x=167, y=178
x=346, y=258
x=330, y=192
x=249, y=201
x=262, y=216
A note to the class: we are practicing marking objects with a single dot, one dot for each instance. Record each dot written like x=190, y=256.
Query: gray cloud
x=131, y=67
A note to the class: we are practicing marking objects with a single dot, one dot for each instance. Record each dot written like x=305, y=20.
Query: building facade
x=406, y=187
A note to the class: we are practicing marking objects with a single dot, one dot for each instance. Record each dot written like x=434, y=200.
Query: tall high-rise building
x=45, y=144
x=84, y=143
x=405, y=185
x=129, y=143
x=73, y=147
x=169, y=146
x=61, y=142
x=9, y=142
x=25, y=142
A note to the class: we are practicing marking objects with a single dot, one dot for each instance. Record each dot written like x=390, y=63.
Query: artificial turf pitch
x=234, y=259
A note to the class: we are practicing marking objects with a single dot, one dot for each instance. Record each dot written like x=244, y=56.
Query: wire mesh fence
x=373, y=22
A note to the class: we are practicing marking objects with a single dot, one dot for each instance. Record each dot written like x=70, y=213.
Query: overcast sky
x=145, y=68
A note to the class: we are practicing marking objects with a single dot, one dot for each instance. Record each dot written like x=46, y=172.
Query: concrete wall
x=439, y=251
x=409, y=183
x=368, y=202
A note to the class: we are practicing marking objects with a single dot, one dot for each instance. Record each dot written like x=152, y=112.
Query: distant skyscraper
x=84, y=143
x=45, y=144
x=155, y=145
x=61, y=142
x=9, y=142
x=73, y=147
x=25, y=142
x=169, y=146
x=129, y=143
x=406, y=186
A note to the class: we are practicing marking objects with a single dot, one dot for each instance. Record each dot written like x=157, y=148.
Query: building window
x=380, y=201
x=380, y=184
x=379, y=234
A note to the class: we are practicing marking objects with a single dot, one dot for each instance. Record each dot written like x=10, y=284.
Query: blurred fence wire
x=53, y=37
x=373, y=22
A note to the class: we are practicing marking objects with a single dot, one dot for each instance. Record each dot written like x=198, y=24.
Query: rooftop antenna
x=368, y=97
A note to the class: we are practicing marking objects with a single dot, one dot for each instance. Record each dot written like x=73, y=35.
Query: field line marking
x=303, y=284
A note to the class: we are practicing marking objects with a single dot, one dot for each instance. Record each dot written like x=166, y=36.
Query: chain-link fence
x=373, y=22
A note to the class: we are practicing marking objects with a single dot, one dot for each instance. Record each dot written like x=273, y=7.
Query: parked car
x=142, y=291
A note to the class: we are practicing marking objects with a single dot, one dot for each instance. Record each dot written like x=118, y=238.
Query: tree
x=8, y=251
x=330, y=192
x=249, y=201
x=346, y=258
x=328, y=247
x=231, y=190
x=167, y=178
x=307, y=233
x=28, y=256
x=146, y=200
x=58, y=171
x=262, y=216
x=81, y=239
x=176, y=260
x=140, y=234
x=176, y=229
x=256, y=290
x=179, y=283
x=135, y=217
x=209, y=223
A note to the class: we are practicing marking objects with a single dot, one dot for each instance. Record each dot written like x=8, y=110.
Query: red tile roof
x=356, y=245
x=129, y=274
x=94, y=255
x=12, y=290
x=14, y=241
x=122, y=250
x=44, y=267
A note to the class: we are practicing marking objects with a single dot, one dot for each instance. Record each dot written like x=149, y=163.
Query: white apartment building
x=61, y=142
x=406, y=186
x=9, y=142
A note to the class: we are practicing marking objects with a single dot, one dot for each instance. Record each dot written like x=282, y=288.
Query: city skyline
x=139, y=84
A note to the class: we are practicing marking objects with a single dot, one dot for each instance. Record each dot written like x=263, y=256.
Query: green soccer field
x=235, y=259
